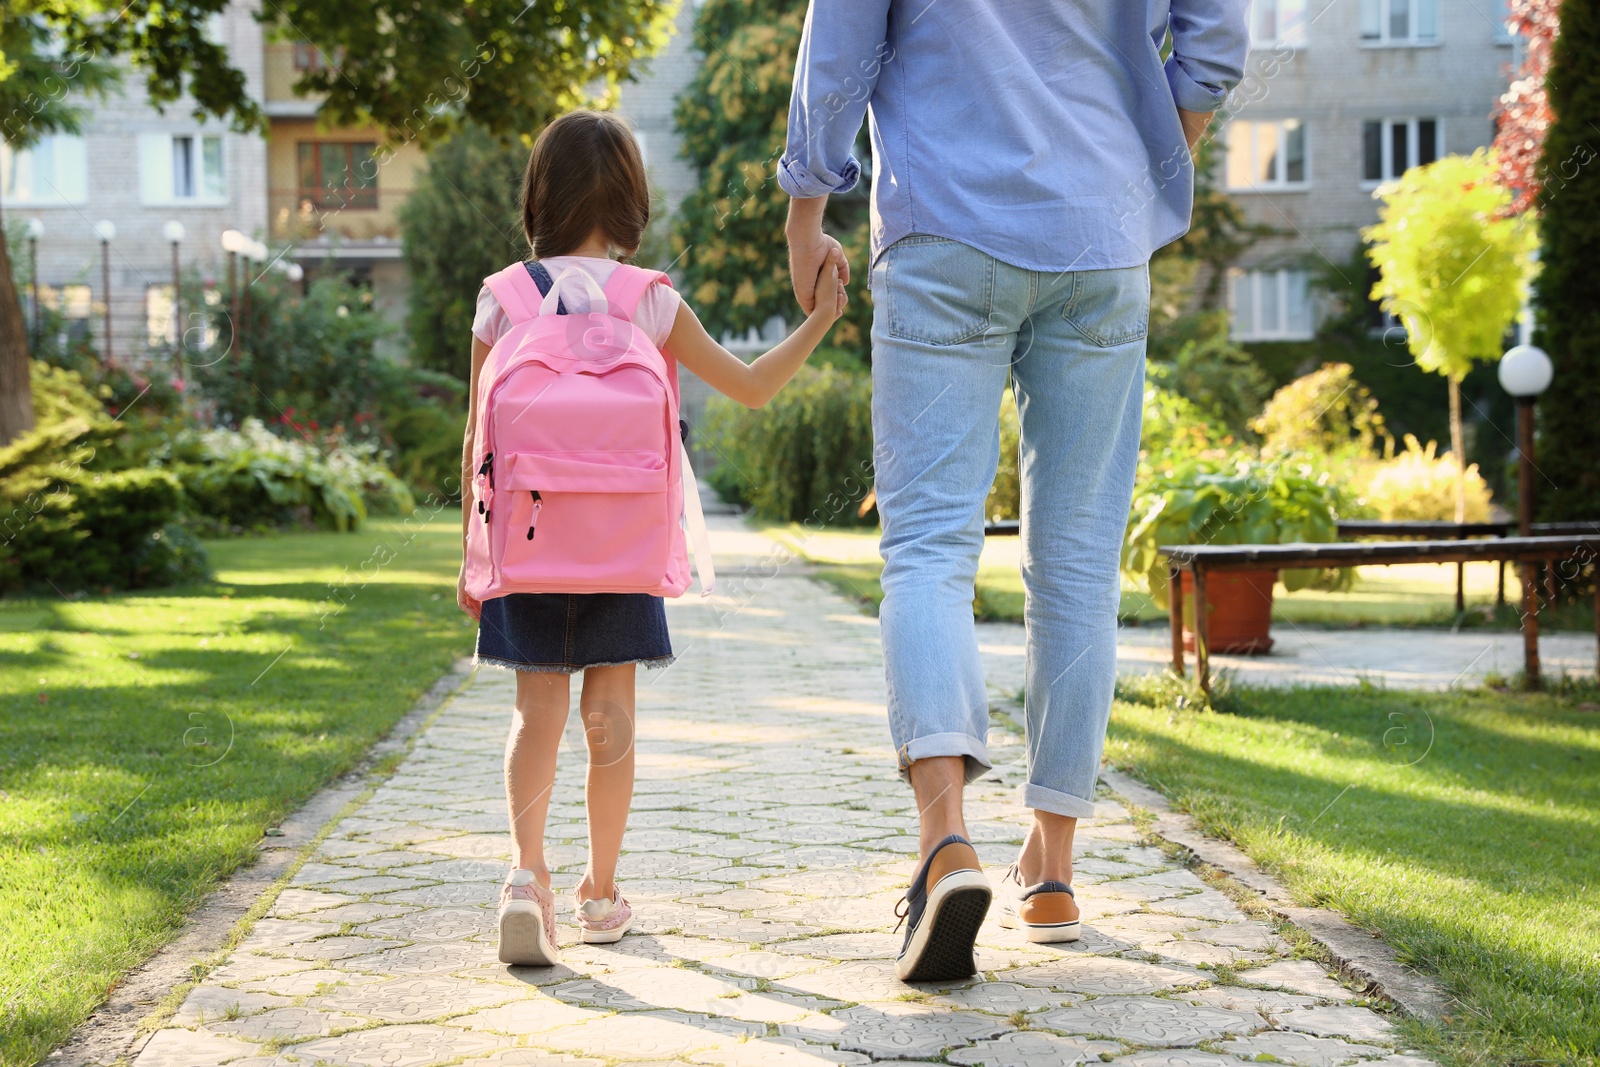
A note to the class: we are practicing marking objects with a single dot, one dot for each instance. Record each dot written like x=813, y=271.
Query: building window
x=1272, y=305
x=1267, y=155
x=339, y=174
x=1278, y=22
x=74, y=304
x=54, y=171
x=1399, y=22
x=182, y=168
x=1390, y=147
x=308, y=56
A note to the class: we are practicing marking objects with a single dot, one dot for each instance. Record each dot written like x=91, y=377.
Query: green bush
x=1326, y=411
x=253, y=479
x=806, y=456
x=1005, y=496
x=70, y=529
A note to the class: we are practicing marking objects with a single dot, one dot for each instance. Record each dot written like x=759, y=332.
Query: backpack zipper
x=538, y=505
x=486, y=470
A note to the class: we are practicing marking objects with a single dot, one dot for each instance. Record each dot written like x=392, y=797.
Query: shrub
x=251, y=478
x=1212, y=372
x=73, y=529
x=1005, y=496
x=1418, y=485
x=1326, y=411
x=806, y=456
x=1232, y=500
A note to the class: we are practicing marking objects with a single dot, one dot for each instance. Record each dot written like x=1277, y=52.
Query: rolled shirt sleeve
x=842, y=51
x=1210, y=42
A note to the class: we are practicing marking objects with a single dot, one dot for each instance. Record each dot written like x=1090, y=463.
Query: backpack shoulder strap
x=627, y=286
x=517, y=291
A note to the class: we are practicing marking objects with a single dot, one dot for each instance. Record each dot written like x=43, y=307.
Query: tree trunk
x=16, y=391
x=1458, y=446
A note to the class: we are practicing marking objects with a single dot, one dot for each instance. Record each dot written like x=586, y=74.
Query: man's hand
x=1195, y=124
x=809, y=248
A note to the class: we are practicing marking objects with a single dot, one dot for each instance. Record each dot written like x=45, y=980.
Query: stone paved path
x=764, y=910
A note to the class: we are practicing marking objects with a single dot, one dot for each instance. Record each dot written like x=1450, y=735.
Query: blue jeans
x=950, y=325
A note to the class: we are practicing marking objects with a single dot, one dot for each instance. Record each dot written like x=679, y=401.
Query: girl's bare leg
x=531, y=748
x=606, y=707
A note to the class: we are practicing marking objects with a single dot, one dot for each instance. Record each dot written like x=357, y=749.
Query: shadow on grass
x=1462, y=826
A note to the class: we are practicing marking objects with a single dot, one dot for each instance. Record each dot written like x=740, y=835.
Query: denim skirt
x=566, y=632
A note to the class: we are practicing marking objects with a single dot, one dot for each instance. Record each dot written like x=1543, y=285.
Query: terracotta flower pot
x=1239, y=606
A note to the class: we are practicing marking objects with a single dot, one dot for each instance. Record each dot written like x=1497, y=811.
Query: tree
x=462, y=223
x=1522, y=117
x=34, y=82
x=1569, y=291
x=733, y=119
x=415, y=70
x=1454, y=266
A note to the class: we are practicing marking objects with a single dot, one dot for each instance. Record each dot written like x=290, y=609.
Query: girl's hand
x=828, y=296
x=464, y=600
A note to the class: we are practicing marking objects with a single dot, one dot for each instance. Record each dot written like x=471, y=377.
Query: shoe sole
x=524, y=942
x=941, y=947
x=604, y=937
x=1042, y=933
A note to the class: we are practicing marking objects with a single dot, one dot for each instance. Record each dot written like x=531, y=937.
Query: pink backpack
x=583, y=484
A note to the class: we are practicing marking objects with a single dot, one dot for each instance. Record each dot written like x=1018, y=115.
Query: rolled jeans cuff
x=951, y=744
x=1055, y=802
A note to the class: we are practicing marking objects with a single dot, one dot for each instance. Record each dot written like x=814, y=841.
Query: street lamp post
x=35, y=231
x=233, y=242
x=106, y=230
x=174, y=234
x=1525, y=372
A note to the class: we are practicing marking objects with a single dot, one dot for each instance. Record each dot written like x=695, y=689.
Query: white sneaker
x=601, y=922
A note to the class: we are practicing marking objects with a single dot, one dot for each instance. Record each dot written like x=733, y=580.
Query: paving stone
x=777, y=1052
x=1001, y=998
x=861, y=982
x=397, y=1046
x=1332, y=1020
x=635, y=1035
x=1033, y=1049
x=186, y=1048
x=1242, y=998
x=471, y=846
x=899, y=1031
x=1300, y=976
x=1179, y=1057
x=332, y=948
x=208, y=1003
x=434, y=924
x=1303, y=1050
x=293, y=902
x=414, y=999
x=531, y=1016
x=305, y=983
x=284, y=1023
x=1149, y=1021
x=1101, y=976
x=528, y=1057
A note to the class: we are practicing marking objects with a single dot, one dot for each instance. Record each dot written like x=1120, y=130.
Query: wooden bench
x=1199, y=560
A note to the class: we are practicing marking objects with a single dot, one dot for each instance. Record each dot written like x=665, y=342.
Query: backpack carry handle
x=552, y=303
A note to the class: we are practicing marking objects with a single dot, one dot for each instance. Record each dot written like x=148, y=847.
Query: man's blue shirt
x=1044, y=132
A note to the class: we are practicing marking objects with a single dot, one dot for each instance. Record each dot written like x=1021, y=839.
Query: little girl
x=586, y=203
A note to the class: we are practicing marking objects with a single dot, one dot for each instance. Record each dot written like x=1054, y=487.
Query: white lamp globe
x=35, y=229
x=106, y=230
x=173, y=231
x=1525, y=371
x=234, y=241
x=295, y=272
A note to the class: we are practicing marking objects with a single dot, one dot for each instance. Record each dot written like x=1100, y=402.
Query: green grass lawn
x=149, y=738
x=1464, y=827
x=1420, y=596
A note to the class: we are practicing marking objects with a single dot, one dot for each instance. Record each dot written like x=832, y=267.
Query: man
x=1029, y=157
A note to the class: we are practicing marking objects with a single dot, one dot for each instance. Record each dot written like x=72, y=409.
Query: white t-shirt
x=657, y=311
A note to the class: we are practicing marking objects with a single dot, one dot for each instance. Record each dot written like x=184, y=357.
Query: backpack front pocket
x=584, y=521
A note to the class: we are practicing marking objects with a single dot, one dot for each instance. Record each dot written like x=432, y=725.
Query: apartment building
x=140, y=170
x=305, y=190
x=1342, y=96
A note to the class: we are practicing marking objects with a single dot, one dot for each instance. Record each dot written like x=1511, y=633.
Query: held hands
x=827, y=297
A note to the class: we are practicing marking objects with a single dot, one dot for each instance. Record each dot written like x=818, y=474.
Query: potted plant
x=1211, y=499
